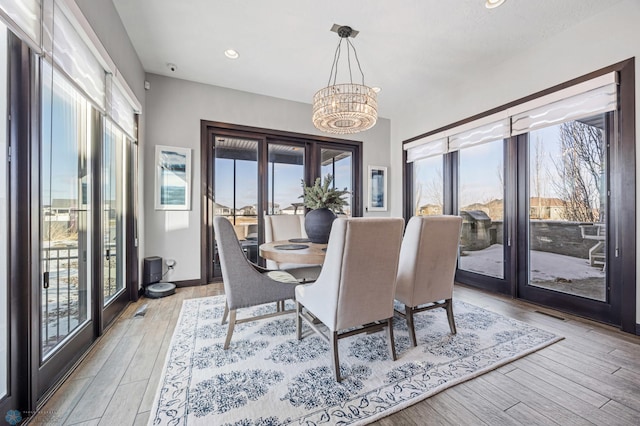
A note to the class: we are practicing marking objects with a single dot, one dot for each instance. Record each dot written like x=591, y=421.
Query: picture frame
x=377, y=199
x=173, y=178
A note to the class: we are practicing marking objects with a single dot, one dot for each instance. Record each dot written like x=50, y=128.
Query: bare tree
x=418, y=198
x=538, y=178
x=431, y=192
x=435, y=189
x=581, y=172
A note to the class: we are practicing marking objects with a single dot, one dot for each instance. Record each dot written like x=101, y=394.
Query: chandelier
x=347, y=107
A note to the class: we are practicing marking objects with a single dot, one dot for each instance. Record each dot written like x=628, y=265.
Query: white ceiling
x=409, y=48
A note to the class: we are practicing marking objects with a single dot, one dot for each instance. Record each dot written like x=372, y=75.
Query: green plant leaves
x=323, y=195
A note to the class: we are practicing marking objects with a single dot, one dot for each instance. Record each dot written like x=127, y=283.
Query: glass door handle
x=45, y=280
x=108, y=256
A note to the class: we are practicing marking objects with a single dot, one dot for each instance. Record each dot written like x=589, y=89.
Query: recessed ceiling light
x=376, y=89
x=491, y=4
x=231, y=54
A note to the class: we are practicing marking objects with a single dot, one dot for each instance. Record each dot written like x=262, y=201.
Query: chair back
x=428, y=259
x=360, y=267
x=234, y=264
x=280, y=227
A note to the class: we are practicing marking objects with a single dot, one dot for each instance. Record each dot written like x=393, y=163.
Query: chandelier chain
x=349, y=61
x=336, y=61
x=334, y=65
x=355, y=53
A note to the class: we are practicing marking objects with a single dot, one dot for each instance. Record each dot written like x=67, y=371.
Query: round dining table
x=293, y=252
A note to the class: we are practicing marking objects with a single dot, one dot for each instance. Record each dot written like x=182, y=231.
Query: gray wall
x=174, y=110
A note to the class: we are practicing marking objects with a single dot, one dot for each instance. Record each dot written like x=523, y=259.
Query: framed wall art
x=377, y=189
x=173, y=178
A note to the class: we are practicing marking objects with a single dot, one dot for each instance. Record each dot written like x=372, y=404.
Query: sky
x=62, y=143
x=287, y=181
x=480, y=169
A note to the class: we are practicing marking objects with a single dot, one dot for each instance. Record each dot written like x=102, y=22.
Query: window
x=481, y=201
x=339, y=164
x=114, y=147
x=250, y=172
x=66, y=209
x=547, y=193
x=58, y=67
x=568, y=207
x=428, y=186
x=285, y=171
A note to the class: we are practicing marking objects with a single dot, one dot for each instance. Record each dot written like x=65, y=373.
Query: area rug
x=267, y=377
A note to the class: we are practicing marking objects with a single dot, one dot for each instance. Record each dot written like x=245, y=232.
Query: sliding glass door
x=83, y=189
x=63, y=189
x=235, y=185
x=249, y=173
x=547, y=197
x=567, y=221
x=68, y=124
x=115, y=147
x=468, y=181
x=481, y=205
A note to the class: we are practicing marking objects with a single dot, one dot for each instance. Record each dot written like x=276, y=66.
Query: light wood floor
x=590, y=377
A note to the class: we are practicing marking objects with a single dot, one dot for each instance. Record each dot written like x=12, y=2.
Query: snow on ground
x=544, y=266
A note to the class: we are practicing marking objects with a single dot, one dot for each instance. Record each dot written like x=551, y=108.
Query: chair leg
x=298, y=321
x=452, y=322
x=226, y=312
x=334, y=356
x=412, y=331
x=392, y=344
x=232, y=323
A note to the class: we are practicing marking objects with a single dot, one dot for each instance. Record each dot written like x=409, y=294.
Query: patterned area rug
x=267, y=377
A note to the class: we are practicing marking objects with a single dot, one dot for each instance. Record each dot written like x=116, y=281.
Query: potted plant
x=324, y=201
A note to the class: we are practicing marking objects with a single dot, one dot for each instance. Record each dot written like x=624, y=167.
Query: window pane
x=481, y=201
x=568, y=206
x=285, y=173
x=236, y=190
x=339, y=164
x=66, y=214
x=113, y=211
x=428, y=186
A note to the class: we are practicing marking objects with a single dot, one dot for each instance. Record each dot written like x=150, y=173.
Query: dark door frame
x=29, y=385
x=19, y=272
x=210, y=129
x=605, y=311
x=622, y=200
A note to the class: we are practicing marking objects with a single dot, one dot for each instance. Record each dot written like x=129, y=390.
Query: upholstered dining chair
x=356, y=285
x=427, y=267
x=280, y=227
x=246, y=284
